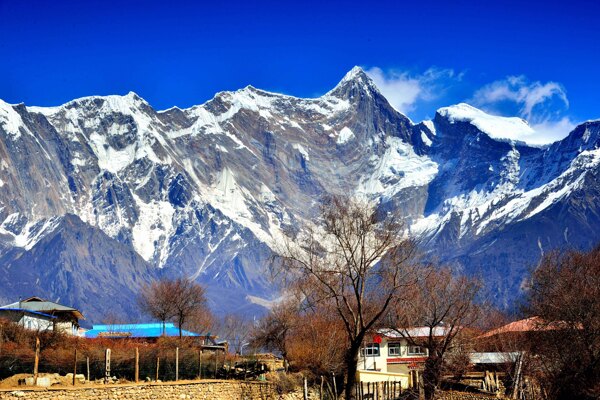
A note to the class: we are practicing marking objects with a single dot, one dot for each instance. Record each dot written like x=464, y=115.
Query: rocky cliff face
x=104, y=193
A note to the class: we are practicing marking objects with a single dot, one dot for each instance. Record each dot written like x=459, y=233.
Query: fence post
x=335, y=392
x=87, y=363
x=36, y=361
x=321, y=389
x=305, y=388
x=137, y=365
x=176, y=364
x=157, y=367
x=216, y=355
x=106, y=366
x=200, y=364
x=74, y=366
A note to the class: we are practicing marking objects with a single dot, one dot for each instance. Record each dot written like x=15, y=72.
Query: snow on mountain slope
x=208, y=191
x=496, y=127
x=398, y=168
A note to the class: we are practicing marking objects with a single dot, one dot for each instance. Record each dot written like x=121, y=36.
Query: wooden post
x=335, y=392
x=200, y=364
x=74, y=366
x=106, y=366
x=305, y=388
x=36, y=361
x=137, y=365
x=321, y=389
x=176, y=364
x=87, y=362
x=245, y=367
x=157, y=367
x=216, y=356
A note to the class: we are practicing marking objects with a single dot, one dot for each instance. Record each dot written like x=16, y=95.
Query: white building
x=37, y=314
x=389, y=356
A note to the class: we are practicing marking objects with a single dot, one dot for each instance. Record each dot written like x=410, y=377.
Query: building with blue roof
x=137, y=331
x=151, y=332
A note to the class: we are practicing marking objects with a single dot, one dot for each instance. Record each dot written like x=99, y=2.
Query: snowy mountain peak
x=496, y=127
x=10, y=120
x=355, y=73
x=356, y=81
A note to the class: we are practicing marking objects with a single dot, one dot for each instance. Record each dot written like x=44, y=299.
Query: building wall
x=35, y=324
x=67, y=327
x=380, y=362
x=374, y=376
x=399, y=366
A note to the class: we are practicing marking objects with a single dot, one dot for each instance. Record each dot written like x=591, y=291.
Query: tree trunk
x=431, y=376
x=351, y=359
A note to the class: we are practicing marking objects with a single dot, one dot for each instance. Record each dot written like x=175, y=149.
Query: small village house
x=151, y=332
x=38, y=314
x=388, y=356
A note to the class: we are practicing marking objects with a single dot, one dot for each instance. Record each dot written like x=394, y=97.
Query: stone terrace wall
x=208, y=390
x=442, y=395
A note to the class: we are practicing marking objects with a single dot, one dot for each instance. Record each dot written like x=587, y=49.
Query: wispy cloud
x=528, y=95
x=404, y=89
x=549, y=131
x=542, y=104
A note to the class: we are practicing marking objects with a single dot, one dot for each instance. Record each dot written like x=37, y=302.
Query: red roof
x=526, y=325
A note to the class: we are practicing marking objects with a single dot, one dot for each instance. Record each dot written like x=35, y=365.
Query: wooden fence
x=387, y=390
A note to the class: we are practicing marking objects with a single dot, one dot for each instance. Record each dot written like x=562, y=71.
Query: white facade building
x=389, y=356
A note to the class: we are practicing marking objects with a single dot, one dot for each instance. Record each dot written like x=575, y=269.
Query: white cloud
x=540, y=103
x=403, y=89
x=549, y=131
x=528, y=95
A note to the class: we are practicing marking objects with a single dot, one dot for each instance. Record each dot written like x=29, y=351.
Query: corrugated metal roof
x=151, y=330
x=34, y=304
x=494, y=357
x=414, y=332
x=22, y=310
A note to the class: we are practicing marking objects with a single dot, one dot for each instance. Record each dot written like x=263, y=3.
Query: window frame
x=396, y=346
x=371, y=350
x=413, y=353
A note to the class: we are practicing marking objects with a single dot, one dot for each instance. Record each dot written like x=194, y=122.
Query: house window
x=394, y=349
x=371, y=350
x=412, y=350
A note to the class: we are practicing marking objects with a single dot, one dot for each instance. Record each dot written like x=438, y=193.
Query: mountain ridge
x=208, y=191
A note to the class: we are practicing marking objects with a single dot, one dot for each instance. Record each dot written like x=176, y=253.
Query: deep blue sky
x=181, y=53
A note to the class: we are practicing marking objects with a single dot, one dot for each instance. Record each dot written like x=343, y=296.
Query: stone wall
x=443, y=395
x=204, y=390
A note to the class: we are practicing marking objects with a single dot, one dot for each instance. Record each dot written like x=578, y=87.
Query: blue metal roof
x=152, y=330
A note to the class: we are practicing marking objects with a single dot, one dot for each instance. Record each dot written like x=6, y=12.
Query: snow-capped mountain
x=102, y=194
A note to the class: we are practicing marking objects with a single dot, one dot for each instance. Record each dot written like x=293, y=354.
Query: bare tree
x=441, y=308
x=237, y=330
x=293, y=332
x=358, y=261
x=273, y=331
x=189, y=300
x=156, y=300
x=317, y=341
x=565, y=296
x=180, y=300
